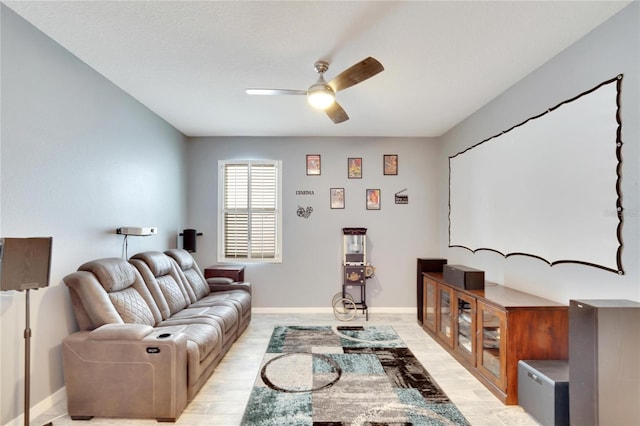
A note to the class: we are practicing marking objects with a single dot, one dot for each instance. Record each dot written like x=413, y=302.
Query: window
x=250, y=214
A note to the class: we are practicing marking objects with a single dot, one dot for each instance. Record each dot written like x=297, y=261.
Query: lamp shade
x=321, y=95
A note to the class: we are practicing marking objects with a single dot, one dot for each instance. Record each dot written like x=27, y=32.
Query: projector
x=133, y=230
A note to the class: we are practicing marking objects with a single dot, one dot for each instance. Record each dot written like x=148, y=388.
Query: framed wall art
x=313, y=164
x=337, y=198
x=390, y=164
x=354, y=170
x=373, y=199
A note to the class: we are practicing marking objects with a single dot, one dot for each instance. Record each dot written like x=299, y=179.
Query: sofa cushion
x=132, y=307
x=200, y=287
x=226, y=315
x=240, y=300
x=156, y=261
x=91, y=303
x=205, y=336
x=182, y=257
x=173, y=293
x=112, y=273
x=108, y=291
x=192, y=275
x=164, y=282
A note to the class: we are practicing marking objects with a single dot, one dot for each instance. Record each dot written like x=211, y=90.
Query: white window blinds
x=251, y=217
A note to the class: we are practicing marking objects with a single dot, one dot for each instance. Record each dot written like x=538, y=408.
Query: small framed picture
x=337, y=198
x=313, y=164
x=354, y=170
x=373, y=199
x=390, y=162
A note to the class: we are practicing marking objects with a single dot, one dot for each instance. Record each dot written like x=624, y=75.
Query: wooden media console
x=488, y=331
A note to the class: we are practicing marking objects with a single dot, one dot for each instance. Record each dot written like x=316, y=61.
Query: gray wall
x=610, y=49
x=79, y=158
x=310, y=273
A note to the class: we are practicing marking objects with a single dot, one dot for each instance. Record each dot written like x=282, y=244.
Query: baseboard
x=40, y=408
x=395, y=310
x=329, y=310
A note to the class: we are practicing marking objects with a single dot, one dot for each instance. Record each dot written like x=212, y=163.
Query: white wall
x=610, y=49
x=311, y=271
x=79, y=158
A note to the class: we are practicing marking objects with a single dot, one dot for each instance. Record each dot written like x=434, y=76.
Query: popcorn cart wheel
x=339, y=296
x=344, y=308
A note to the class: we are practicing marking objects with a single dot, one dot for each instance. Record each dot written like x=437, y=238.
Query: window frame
x=221, y=256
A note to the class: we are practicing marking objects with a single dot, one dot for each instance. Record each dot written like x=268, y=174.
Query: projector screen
x=548, y=187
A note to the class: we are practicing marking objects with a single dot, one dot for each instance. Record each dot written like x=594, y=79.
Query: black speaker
x=25, y=263
x=189, y=240
x=604, y=373
x=463, y=277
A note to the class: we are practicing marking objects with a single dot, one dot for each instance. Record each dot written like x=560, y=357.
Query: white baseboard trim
x=40, y=408
x=329, y=310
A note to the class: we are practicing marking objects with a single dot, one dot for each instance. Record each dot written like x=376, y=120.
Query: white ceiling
x=190, y=61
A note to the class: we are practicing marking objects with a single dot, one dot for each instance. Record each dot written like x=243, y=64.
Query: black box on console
x=463, y=277
x=430, y=265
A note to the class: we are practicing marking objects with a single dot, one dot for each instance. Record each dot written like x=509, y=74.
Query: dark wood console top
x=502, y=296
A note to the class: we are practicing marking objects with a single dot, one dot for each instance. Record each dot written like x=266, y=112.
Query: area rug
x=334, y=376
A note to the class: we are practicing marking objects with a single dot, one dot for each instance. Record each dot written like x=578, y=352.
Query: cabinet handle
x=534, y=377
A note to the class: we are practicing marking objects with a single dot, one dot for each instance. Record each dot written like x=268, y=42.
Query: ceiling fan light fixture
x=321, y=95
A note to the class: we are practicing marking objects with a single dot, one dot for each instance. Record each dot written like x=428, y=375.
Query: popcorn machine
x=355, y=273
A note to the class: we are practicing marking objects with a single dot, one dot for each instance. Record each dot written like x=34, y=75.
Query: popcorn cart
x=356, y=271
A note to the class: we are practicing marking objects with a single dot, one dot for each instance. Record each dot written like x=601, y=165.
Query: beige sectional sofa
x=152, y=331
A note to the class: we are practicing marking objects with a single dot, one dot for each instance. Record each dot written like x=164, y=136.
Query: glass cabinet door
x=465, y=331
x=445, y=314
x=429, y=304
x=491, y=344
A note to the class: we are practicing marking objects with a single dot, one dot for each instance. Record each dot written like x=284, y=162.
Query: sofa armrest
x=226, y=284
x=130, y=376
x=121, y=332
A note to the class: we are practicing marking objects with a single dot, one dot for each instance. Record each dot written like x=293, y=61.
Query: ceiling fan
x=322, y=95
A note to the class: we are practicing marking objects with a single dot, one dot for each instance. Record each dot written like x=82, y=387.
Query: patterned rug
x=334, y=376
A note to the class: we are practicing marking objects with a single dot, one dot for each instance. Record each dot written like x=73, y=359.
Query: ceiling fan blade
x=275, y=92
x=358, y=73
x=336, y=113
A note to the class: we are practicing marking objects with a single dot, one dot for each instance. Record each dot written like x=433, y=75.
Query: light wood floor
x=222, y=400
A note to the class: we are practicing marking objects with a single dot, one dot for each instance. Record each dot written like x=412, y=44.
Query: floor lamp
x=25, y=265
